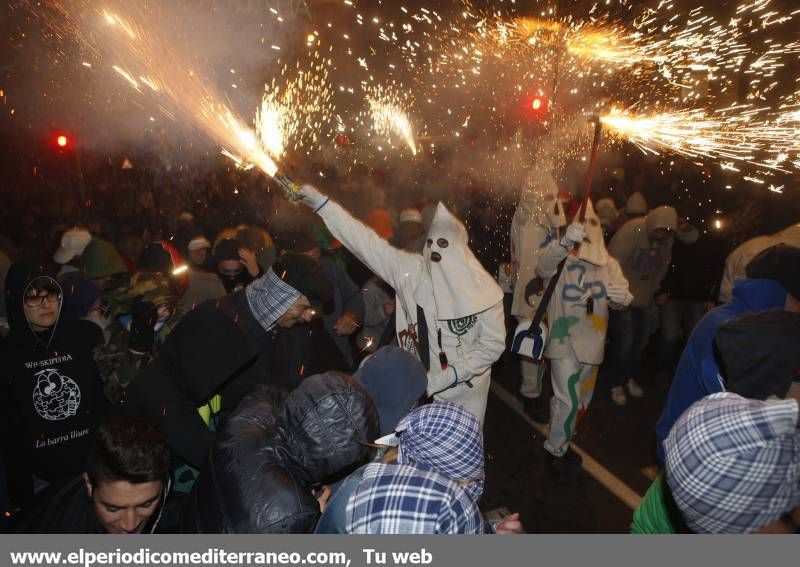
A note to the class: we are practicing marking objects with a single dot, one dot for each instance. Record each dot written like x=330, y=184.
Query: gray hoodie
x=644, y=261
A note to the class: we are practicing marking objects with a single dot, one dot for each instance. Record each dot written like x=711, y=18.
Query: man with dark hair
x=122, y=490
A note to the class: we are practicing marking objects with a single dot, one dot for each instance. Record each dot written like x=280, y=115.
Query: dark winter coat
x=346, y=298
x=219, y=348
x=260, y=472
x=697, y=373
x=696, y=269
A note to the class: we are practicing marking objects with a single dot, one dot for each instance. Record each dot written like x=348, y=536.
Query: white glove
x=574, y=235
x=618, y=294
x=311, y=197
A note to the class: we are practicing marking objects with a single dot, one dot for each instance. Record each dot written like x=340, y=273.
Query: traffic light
x=538, y=105
x=61, y=141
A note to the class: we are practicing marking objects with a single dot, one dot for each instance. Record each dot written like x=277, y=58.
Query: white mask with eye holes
x=456, y=285
x=593, y=249
x=539, y=200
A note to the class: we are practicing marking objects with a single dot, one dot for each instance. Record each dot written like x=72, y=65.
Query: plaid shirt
x=399, y=499
x=444, y=438
x=269, y=297
x=733, y=464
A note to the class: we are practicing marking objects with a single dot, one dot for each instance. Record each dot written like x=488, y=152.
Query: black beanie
x=298, y=240
x=780, y=262
x=227, y=249
x=155, y=259
x=305, y=275
x=758, y=353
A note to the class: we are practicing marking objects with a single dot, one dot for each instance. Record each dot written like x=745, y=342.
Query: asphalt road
x=618, y=441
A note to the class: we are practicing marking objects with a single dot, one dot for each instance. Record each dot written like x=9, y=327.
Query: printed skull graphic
x=55, y=396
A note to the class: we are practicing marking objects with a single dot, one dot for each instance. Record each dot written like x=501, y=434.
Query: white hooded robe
x=536, y=220
x=574, y=332
x=456, y=294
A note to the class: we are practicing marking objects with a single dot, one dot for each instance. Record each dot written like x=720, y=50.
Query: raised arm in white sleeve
x=386, y=261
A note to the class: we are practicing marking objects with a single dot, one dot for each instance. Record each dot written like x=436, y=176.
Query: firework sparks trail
x=170, y=74
x=472, y=66
x=299, y=113
x=389, y=119
x=744, y=138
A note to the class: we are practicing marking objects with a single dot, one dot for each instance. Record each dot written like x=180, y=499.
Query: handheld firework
x=530, y=337
x=289, y=187
x=587, y=187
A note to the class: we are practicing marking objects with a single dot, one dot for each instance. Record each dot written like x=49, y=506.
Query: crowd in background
x=169, y=331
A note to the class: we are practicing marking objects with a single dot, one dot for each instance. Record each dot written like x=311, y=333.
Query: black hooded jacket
x=259, y=474
x=51, y=390
x=219, y=348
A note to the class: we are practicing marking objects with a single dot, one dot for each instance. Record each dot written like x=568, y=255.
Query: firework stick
x=288, y=186
x=598, y=127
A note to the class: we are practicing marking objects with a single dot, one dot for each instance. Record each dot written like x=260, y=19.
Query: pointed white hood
x=593, y=249
x=539, y=199
x=456, y=285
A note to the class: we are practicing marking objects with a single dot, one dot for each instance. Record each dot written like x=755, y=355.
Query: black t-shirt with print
x=54, y=398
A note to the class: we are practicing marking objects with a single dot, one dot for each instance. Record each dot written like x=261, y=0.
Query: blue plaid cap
x=733, y=463
x=269, y=297
x=444, y=438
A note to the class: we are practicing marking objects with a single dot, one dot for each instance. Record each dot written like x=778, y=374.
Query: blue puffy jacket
x=697, y=374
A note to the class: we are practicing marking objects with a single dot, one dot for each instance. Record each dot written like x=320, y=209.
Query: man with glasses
x=51, y=388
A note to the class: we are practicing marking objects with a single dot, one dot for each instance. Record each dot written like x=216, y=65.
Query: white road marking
x=650, y=473
x=597, y=471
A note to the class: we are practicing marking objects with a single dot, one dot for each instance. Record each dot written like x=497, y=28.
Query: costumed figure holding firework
x=449, y=309
x=582, y=283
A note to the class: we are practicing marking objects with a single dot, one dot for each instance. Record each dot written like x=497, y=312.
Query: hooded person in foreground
x=733, y=465
x=449, y=309
x=260, y=475
x=51, y=388
x=222, y=348
x=773, y=282
x=758, y=359
x=431, y=484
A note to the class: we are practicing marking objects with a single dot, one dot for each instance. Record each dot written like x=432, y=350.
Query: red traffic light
x=62, y=141
x=537, y=104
